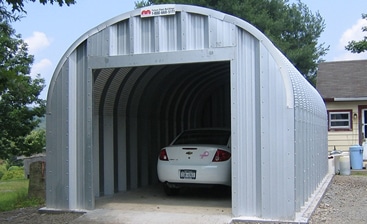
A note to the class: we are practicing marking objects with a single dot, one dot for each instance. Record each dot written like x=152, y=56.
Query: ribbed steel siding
x=184, y=31
x=243, y=110
x=287, y=158
x=262, y=130
x=136, y=108
x=310, y=139
x=57, y=166
x=67, y=153
x=276, y=134
x=83, y=147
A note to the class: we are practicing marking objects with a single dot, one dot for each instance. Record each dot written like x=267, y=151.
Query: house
x=343, y=86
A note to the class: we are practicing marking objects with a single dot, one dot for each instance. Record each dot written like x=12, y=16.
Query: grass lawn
x=14, y=194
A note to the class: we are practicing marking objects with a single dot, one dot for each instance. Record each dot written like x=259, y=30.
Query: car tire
x=170, y=191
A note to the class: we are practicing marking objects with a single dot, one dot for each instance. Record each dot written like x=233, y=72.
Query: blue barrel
x=356, y=157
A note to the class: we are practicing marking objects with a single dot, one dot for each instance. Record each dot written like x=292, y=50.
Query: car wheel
x=170, y=191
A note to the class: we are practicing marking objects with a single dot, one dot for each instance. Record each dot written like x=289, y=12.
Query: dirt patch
x=33, y=216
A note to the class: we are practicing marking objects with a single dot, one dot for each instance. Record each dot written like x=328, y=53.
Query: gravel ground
x=345, y=201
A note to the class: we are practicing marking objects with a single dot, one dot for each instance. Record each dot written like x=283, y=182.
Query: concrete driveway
x=151, y=205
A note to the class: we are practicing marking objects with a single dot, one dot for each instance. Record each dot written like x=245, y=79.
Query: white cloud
x=40, y=67
x=353, y=33
x=37, y=42
x=43, y=67
x=347, y=56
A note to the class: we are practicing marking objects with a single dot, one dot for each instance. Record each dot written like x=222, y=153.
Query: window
x=340, y=120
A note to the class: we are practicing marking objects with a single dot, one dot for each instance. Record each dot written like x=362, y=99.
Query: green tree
x=19, y=94
x=20, y=105
x=142, y=3
x=358, y=46
x=18, y=5
x=35, y=142
x=293, y=28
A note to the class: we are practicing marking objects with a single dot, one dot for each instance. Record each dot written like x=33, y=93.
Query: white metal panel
x=73, y=135
x=99, y=44
x=196, y=32
x=277, y=160
x=95, y=170
x=167, y=33
x=216, y=30
x=122, y=38
x=243, y=108
x=108, y=170
x=122, y=155
x=311, y=140
x=57, y=157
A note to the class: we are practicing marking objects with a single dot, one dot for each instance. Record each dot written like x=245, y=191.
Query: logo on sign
x=157, y=11
x=146, y=12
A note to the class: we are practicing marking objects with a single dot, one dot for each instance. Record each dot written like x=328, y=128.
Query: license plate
x=187, y=174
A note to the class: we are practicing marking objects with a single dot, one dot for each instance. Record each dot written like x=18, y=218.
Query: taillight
x=221, y=155
x=163, y=155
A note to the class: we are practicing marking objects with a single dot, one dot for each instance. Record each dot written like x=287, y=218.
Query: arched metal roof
x=128, y=86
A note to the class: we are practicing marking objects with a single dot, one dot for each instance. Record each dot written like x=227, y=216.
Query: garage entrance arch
x=139, y=78
x=155, y=103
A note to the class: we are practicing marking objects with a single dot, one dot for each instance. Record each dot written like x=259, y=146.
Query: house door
x=364, y=124
x=363, y=139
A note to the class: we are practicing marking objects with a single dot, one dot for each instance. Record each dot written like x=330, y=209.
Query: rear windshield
x=210, y=137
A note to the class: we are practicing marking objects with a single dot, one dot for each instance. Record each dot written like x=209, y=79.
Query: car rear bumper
x=216, y=173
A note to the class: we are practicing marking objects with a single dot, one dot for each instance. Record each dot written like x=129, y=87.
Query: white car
x=196, y=157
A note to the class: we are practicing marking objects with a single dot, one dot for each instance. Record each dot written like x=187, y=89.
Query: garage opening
x=139, y=110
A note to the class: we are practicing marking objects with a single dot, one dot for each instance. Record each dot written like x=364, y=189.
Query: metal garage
x=124, y=89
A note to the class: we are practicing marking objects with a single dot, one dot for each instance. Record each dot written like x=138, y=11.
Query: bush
x=2, y=170
x=14, y=174
x=15, y=168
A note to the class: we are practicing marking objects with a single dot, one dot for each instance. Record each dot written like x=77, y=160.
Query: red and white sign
x=157, y=11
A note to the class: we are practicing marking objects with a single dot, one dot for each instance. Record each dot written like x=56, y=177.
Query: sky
x=49, y=30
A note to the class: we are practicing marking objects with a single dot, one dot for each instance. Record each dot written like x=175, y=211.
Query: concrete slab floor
x=199, y=206
x=151, y=205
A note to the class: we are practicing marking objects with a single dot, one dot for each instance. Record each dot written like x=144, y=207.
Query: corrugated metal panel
x=123, y=37
x=197, y=31
x=216, y=30
x=311, y=139
x=99, y=44
x=167, y=37
x=57, y=179
x=243, y=92
x=84, y=129
x=277, y=161
x=267, y=176
x=150, y=78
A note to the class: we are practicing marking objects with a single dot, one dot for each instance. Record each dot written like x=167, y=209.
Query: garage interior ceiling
x=165, y=100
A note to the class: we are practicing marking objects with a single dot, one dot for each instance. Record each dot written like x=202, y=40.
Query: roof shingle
x=342, y=79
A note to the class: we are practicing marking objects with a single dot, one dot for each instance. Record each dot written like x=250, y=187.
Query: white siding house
x=342, y=85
